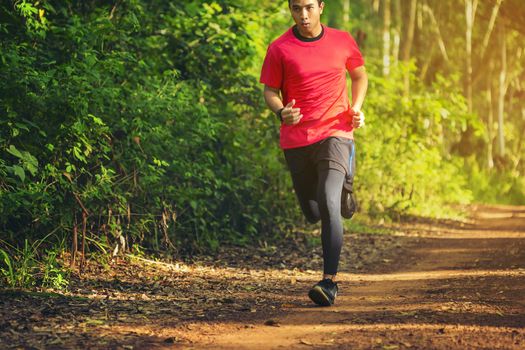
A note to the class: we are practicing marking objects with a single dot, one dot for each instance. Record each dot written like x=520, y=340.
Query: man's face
x=307, y=16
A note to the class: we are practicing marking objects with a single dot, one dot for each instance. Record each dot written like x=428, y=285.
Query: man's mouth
x=305, y=24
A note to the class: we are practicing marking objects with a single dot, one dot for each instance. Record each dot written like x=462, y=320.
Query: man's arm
x=272, y=96
x=359, y=87
x=273, y=99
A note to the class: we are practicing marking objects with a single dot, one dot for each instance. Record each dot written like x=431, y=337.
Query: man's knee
x=311, y=212
x=312, y=219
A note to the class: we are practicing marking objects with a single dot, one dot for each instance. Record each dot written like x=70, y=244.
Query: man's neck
x=315, y=32
x=302, y=37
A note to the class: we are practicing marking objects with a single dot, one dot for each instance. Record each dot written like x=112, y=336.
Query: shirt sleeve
x=272, y=69
x=355, y=59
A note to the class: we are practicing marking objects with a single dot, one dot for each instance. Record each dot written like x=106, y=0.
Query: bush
x=123, y=113
x=404, y=159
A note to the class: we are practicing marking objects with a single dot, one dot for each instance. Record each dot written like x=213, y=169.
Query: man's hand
x=358, y=118
x=290, y=115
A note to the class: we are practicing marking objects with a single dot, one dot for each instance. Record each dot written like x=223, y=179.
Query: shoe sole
x=319, y=297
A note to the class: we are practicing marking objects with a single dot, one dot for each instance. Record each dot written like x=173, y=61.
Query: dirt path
x=427, y=285
x=460, y=286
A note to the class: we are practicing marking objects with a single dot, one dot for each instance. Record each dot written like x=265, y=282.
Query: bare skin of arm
x=359, y=86
x=290, y=115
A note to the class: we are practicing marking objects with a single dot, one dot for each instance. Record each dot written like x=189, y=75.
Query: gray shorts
x=330, y=153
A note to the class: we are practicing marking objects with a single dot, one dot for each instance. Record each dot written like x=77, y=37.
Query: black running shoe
x=324, y=292
x=348, y=203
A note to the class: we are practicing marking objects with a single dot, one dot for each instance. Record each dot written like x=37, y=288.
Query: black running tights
x=319, y=195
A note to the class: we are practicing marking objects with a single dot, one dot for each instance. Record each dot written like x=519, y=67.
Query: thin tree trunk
x=407, y=46
x=490, y=120
x=375, y=5
x=490, y=28
x=478, y=73
x=397, y=30
x=419, y=16
x=426, y=65
x=520, y=145
x=435, y=27
x=83, y=258
x=74, y=247
x=386, y=37
x=470, y=14
x=502, y=91
x=409, y=36
x=346, y=12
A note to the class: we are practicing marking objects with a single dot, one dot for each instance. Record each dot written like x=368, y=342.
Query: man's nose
x=304, y=14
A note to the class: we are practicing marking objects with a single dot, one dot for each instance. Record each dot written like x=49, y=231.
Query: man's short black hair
x=318, y=1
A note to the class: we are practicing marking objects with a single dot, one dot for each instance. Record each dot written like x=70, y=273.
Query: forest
x=140, y=126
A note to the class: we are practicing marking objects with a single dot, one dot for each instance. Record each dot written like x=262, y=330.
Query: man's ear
x=321, y=6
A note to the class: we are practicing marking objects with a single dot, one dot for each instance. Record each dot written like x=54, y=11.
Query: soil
x=423, y=284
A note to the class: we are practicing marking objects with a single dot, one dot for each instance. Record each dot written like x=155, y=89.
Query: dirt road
x=427, y=285
x=458, y=287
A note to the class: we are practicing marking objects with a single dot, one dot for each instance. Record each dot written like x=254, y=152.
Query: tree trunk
x=470, y=15
x=520, y=151
x=435, y=28
x=490, y=28
x=346, y=13
x=409, y=35
x=407, y=46
x=74, y=247
x=386, y=37
x=397, y=31
x=426, y=65
x=490, y=120
x=502, y=91
x=478, y=73
x=375, y=5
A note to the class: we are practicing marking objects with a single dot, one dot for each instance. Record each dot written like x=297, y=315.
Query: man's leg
x=329, y=201
x=305, y=186
x=304, y=178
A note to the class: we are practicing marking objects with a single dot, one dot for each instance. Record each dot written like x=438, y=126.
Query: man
x=304, y=73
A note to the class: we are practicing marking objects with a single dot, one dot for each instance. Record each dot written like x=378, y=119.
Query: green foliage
x=25, y=267
x=54, y=275
x=494, y=186
x=142, y=113
x=19, y=267
x=7, y=268
x=404, y=161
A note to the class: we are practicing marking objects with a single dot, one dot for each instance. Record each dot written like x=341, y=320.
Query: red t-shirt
x=314, y=74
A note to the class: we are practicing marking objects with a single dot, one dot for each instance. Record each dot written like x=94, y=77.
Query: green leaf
x=96, y=120
x=31, y=167
x=19, y=171
x=22, y=126
x=14, y=151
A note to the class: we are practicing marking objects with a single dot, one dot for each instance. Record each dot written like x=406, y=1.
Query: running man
x=304, y=73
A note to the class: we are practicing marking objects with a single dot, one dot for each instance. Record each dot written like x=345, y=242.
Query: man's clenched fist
x=358, y=118
x=290, y=115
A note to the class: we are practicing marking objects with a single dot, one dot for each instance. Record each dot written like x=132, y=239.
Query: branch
x=441, y=43
x=80, y=203
x=490, y=28
x=112, y=13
